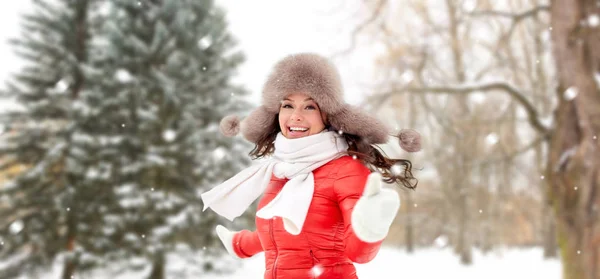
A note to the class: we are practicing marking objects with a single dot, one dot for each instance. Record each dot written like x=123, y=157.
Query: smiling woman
x=322, y=208
x=300, y=116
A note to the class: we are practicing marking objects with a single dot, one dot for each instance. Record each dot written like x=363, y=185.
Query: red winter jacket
x=327, y=241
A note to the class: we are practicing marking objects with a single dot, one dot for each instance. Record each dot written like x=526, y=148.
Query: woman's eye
x=311, y=107
x=286, y=106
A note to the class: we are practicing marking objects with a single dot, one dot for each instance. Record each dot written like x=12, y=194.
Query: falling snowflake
x=219, y=153
x=594, y=20
x=571, y=93
x=16, y=227
x=477, y=98
x=575, y=188
x=491, y=139
x=396, y=169
x=317, y=270
x=415, y=205
x=205, y=42
x=68, y=209
x=61, y=86
x=542, y=177
x=441, y=241
x=470, y=5
x=123, y=76
x=203, y=68
x=407, y=76
x=340, y=132
x=480, y=211
x=169, y=135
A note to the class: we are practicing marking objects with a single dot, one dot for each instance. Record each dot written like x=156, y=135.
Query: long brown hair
x=370, y=156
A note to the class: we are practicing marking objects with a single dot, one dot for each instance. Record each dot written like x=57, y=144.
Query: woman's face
x=300, y=116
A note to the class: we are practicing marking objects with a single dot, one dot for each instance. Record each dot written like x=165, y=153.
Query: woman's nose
x=296, y=116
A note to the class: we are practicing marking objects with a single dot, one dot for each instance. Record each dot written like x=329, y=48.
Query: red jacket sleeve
x=246, y=244
x=348, y=187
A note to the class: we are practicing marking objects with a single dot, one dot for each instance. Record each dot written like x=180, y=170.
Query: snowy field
x=390, y=263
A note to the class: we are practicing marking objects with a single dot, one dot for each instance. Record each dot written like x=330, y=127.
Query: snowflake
x=205, y=42
x=169, y=135
x=491, y=139
x=594, y=20
x=16, y=227
x=317, y=270
x=123, y=76
x=571, y=93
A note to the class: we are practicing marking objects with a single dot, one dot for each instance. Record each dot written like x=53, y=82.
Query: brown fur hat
x=317, y=77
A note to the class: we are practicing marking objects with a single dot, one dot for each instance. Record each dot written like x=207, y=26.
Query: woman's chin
x=296, y=134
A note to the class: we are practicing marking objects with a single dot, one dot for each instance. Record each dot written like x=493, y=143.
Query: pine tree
x=119, y=133
x=47, y=212
x=165, y=85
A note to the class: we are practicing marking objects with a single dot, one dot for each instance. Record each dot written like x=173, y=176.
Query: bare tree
x=437, y=51
x=574, y=158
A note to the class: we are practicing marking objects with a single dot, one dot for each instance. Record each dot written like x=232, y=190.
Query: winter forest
x=110, y=112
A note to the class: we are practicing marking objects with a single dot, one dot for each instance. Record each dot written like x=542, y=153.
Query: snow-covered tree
x=164, y=75
x=47, y=213
x=119, y=134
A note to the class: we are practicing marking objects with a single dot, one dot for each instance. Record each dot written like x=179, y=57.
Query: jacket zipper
x=315, y=260
x=276, y=250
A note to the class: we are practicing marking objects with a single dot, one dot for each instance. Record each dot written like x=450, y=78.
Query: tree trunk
x=158, y=267
x=69, y=264
x=464, y=243
x=550, y=247
x=410, y=245
x=573, y=164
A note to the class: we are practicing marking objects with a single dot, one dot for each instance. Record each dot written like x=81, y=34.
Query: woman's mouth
x=297, y=131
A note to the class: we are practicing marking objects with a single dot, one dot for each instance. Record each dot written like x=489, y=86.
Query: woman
x=321, y=208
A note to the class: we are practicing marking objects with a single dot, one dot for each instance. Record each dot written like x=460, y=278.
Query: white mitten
x=375, y=211
x=226, y=237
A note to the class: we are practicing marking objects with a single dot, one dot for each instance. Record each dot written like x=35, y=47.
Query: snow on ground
x=434, y=263
x=390, y=263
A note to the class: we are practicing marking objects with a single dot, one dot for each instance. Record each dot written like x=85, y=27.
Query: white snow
x=571, y=93
x=392, y=263
x=593, y=20
x=61, y=86
x=123, y=76
x=491, y=139
x=205, y=42
x=397, y=169
x=169, y=135
x=16, y=227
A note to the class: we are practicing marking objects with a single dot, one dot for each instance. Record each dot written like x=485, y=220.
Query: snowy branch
x=516, y=17
x=378, y=10
x=533, y=115
x=511, y=156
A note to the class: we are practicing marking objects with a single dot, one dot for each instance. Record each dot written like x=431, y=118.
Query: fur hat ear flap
x=230, y=125
x=410, y=140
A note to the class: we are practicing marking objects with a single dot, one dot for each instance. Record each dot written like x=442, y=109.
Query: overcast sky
x=267, y=30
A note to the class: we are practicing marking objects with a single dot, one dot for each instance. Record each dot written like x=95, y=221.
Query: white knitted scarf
x=294, y=159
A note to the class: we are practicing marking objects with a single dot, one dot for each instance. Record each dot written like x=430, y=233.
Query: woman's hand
x=375, y=211
x=226, y=237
